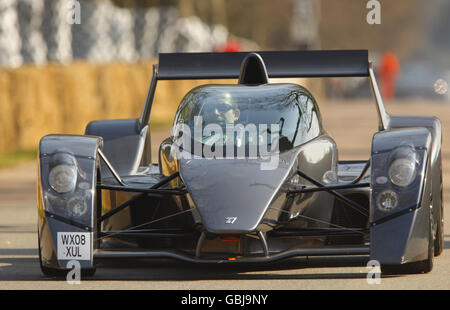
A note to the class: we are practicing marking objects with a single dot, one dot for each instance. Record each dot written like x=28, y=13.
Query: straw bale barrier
x=40, y=100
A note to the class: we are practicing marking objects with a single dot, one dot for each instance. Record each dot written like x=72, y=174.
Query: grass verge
x=14, y=158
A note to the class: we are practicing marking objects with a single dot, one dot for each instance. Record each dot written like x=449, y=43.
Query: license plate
x=74, y=246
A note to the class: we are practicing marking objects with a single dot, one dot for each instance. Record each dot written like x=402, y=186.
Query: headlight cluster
x=403, y=169
x=63, y=172
x=401, y=172
x=77, y=206
x=387, y=200
x=62, y=178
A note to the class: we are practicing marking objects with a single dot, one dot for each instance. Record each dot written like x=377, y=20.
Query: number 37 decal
x=230, y=219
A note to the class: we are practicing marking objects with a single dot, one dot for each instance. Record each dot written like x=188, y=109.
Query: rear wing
x=280, y=64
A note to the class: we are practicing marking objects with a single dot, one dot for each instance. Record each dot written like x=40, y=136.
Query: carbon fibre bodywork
x=215, y=210
x=52, y=215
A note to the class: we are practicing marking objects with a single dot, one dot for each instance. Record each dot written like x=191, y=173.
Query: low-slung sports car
x=248, y=175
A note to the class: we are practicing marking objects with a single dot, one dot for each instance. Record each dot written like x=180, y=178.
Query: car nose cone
x=231, y=195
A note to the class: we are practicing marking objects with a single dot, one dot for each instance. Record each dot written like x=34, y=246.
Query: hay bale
x=36, y=103
x=79, y=95
x=115, y=91
x=8, y=132
x=139, y=82
x=164, y=103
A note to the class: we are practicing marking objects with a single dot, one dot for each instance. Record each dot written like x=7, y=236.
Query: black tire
x=88, y=272
x=53, y=272
x=62, y=273
x=47, y=271
x=424, y=266
x=439, y=240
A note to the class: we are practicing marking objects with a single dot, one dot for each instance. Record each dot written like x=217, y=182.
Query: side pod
x=66, y=199
x=400, y=234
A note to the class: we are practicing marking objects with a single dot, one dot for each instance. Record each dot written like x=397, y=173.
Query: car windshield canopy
x=273, y=117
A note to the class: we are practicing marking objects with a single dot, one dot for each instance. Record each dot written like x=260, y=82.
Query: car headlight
x=387, y=200
x=77, y=206
x=402, y=170
x=63, y=178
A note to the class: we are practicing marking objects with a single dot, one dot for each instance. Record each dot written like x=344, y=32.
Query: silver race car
x=248, y=175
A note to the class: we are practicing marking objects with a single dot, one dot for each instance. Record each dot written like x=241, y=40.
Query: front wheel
x=439, y=205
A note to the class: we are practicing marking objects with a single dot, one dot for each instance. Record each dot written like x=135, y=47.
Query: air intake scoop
x=253, y=70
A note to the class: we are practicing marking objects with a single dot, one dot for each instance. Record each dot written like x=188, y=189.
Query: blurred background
x=64, y=63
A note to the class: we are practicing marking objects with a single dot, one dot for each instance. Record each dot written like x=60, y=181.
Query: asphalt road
x=19, y=268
